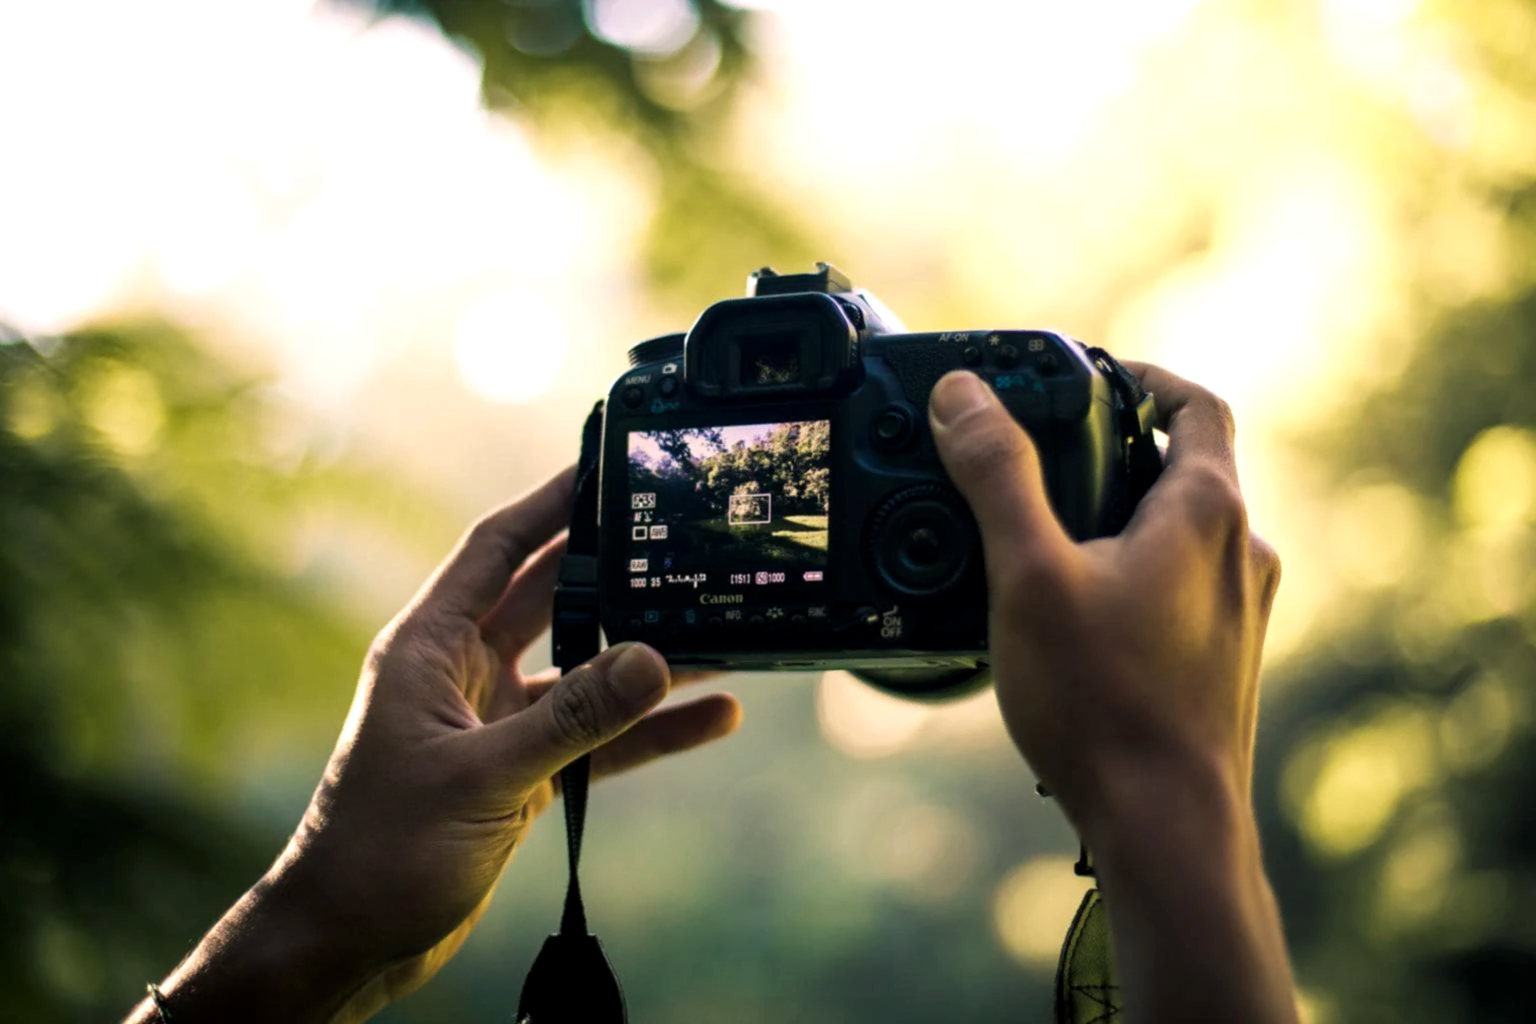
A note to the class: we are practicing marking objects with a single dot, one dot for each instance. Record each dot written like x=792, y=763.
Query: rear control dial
x=921, y=541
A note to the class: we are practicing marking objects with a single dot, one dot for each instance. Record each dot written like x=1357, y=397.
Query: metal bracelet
x=162, y=1012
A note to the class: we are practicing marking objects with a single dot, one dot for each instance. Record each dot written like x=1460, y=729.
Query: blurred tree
x=663, y=74
x=1398, y=762
x=151, y=631
x=151, y=643
x=660, y=66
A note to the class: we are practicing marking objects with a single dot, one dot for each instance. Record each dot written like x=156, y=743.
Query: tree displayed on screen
x=736, y=499
x=700, y=470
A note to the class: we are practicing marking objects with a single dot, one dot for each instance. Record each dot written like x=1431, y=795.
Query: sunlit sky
x=698, y=446
x=325, y=197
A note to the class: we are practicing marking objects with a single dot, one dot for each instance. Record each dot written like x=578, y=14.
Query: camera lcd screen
x=770, y=359
x=740, y=508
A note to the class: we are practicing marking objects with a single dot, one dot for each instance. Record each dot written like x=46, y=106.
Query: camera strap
x=571, y=980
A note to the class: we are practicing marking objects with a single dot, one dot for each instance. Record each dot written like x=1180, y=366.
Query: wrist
x=1196, y=929
x=1154, y=813
x=271, y=957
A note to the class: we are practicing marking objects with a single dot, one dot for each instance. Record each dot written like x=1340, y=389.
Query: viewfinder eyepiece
x=774, y=346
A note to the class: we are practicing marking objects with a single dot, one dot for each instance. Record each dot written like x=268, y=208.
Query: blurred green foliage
x=160, y=638
x=1416, y=903
x=537, y=53
x=1396, y=767
x=547, y=63
x=153, y=647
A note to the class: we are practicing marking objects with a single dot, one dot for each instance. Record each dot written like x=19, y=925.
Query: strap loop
x=571, y=981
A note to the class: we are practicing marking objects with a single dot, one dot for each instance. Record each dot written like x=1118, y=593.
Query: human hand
x=1125, y=652
x=1127, y=670
x=444, y=761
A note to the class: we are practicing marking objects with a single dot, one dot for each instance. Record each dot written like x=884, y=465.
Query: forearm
x=1196, y=929
x=265, y=960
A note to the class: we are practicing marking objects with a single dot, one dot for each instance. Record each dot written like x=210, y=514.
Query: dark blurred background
x=289, y=292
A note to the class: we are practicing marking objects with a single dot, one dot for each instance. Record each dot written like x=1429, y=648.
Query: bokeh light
x=863, y=722
x=1033, y=908
x=1344, y=788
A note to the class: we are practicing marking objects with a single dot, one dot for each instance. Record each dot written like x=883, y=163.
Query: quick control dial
x=921, y=541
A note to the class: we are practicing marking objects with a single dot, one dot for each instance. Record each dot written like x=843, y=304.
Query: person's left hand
x=447, y=757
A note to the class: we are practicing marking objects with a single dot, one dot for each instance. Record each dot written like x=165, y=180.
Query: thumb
x=584, y=710
x=994, y=464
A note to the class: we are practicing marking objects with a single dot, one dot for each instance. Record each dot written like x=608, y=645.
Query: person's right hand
x=1127, y=652
x=1127, y=673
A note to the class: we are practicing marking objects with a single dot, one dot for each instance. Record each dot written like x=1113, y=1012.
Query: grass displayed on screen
x=730, y=502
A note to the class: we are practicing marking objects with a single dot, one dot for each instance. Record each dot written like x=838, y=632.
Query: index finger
x=1198, y=488
x=1198, y=422
x=471, y=580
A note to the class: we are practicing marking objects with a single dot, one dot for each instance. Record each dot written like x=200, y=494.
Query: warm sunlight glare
x=509, y=346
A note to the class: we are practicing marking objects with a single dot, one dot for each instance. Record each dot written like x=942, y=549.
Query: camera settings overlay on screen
x=737, y=507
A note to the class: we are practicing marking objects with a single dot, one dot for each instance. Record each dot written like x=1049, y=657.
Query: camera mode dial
x=668, y=346
x=922, y=540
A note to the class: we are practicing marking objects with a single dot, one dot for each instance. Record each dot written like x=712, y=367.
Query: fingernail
x=957, y=394
x=636, y=671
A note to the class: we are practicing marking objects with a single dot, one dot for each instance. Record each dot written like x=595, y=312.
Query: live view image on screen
x=721, y=507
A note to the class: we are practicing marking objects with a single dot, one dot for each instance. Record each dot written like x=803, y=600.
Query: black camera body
x=771, y=498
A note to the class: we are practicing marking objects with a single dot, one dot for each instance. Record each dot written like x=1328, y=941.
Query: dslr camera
x=769, y=495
